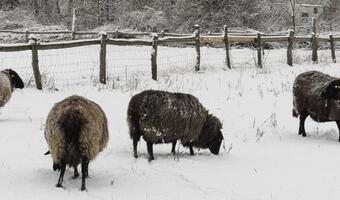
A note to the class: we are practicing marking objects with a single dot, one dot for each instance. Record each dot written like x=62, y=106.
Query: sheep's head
x=211, y=136
x=332, y=95
x=16, y=81
x=332, y=90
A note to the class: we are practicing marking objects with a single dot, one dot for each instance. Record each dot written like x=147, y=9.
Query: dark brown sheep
x=317, y=95
x=76, y=131
x=9, y=80
x=164, y=117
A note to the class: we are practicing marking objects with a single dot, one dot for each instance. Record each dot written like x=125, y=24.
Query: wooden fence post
x=259, y=50
x=314, y=43
x=162, y=34
x=226, y=43
x=331, y=40
x=35, y=63
x=290, y=48
x=154, y=56
x=116, y=33
x=26, y=36
x=73, y=35
x=102, y=64
x=197, y=44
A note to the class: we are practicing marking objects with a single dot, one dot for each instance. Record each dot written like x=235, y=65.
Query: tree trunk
x=107, y=10
x=35, y=7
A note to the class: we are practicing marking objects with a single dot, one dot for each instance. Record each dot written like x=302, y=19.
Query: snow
x=264, y=158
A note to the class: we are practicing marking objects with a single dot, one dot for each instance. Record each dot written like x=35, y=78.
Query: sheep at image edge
x=9, y=80
x=164, y=117
x=317, y=95
x=76, y=131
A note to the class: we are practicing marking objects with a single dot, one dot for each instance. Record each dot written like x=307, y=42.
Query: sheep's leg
x=303, y=117
x=191, y=150
x=84, y=172
x=338, y=124
x=173, y=151
x=62, y=172
x=76, y=173
x=135, y=142
x=150, y=150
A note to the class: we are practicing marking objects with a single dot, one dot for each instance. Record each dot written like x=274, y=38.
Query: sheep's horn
x=47, y=152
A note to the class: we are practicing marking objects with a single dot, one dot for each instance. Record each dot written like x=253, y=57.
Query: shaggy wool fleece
x=93, y=130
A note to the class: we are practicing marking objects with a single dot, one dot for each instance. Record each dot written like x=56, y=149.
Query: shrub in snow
x=164, y=117
x=317, y=95
x=76, y=131
x=9, y=80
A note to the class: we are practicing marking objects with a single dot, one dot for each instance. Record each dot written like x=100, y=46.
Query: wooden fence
x=165, y=39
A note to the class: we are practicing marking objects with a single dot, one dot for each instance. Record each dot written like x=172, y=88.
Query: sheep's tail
x=72, y=122
x=295, y=114
x=295, y=110
x=133, y=119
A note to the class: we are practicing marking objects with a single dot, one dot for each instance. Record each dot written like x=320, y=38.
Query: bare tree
x=35, y=7
x=9, y=4
x=292, y=5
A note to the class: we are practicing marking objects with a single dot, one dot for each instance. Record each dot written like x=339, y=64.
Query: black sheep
x=317, y=95
x=164, y=117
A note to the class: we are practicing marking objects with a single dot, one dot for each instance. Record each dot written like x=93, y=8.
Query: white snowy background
x=264, y=158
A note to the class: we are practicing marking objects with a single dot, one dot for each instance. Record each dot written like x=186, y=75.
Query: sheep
x=317, y=95
x=164, y=117
x=9, y=80
x=76, y=131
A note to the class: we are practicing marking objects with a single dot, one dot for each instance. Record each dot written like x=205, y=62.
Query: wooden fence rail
x=225, y=38
x=124, y=34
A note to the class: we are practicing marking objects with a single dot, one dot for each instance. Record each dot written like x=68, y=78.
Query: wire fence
x=67, y=67
x=126, y=63
x=128, y=66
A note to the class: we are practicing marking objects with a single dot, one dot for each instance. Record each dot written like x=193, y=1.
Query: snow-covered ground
x=264, y=158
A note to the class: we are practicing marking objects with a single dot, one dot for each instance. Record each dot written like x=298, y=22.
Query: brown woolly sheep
x=9, y=80
x=164, y=117
x=317, y=95
x=76, y=131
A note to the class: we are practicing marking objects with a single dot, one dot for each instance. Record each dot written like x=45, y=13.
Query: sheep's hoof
x=59, y=185
x=135, y=155
x=302, y=133
x=151, y=159
x=83, y=188
x=75, y=176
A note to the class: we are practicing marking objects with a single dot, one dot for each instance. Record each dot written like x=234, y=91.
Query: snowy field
x=263, y=158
